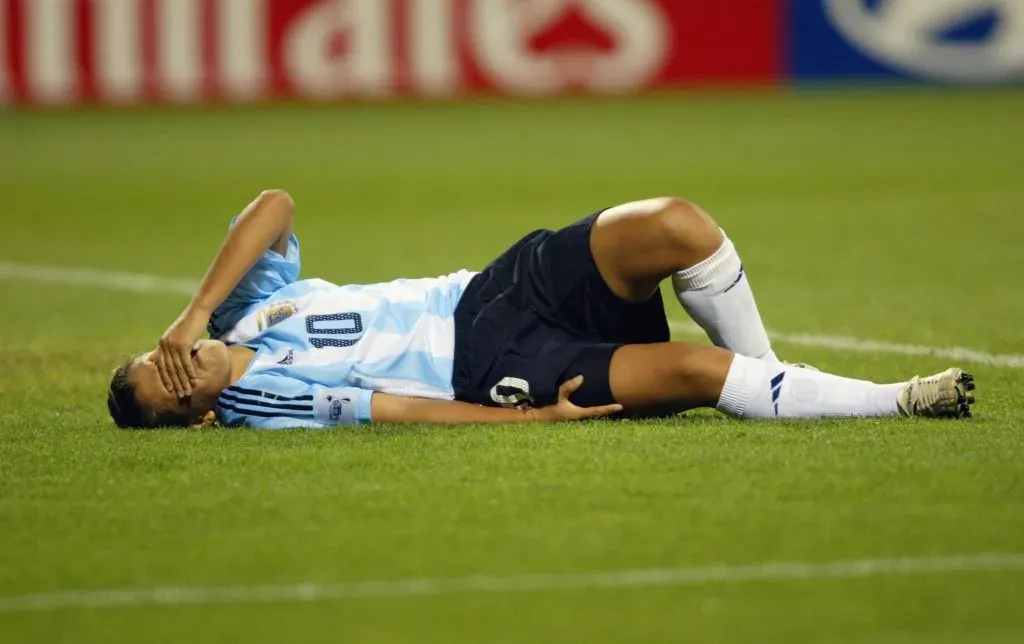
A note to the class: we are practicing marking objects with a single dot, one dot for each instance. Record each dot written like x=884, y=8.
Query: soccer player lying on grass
x=564, y=325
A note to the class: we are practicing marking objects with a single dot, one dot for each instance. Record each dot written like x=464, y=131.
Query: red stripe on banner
x=282, y=17
x=6, y=93
x=400, y=24
x=16, y=51
x=276, y=77
x=727, y=42
x=474, y=78
x=4, y=67
x=545, y=47
x=147, y=37
x=209, y=41
x=85, y=52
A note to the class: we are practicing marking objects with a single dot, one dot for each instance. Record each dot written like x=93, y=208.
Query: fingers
x=165, y=376
x=574, y=412
x=569, y=387
x=179, y=378
x=599, y=412
x=183, y=386
x=190, y=369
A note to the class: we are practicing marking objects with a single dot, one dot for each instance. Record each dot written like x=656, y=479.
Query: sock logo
x=738, y=278
x=776, y=390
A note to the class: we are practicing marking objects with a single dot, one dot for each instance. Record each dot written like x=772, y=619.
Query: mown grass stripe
x=650, y=577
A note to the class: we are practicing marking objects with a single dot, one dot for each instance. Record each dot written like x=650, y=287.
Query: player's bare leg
x=668, y=377
x=676, y=376
x=638, y=245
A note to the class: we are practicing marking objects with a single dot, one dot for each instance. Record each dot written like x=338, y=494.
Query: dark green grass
x=883, y=216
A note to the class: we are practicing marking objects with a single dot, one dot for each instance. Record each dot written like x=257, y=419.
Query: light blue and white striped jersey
x=322, y=350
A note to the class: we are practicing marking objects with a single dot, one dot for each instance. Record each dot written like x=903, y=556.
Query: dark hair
x=124, y=406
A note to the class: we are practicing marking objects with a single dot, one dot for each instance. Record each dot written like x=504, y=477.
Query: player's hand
x=564, y=409
x=174, y=355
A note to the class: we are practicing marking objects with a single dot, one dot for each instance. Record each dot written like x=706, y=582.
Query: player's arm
x=265, y=224
x=270, y=401
x=400, y=409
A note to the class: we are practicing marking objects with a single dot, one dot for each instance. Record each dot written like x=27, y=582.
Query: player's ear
x=209, y=419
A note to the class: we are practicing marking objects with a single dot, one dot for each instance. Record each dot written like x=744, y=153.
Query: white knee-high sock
x=716, y=293
x=766, y=389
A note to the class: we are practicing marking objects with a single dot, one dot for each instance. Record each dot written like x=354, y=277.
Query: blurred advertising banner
x=185, y=51
x=938, y=41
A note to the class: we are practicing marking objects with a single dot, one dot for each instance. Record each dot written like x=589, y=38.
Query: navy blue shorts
x=542, y=314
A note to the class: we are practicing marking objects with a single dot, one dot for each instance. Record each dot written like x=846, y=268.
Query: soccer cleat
x=944, y=395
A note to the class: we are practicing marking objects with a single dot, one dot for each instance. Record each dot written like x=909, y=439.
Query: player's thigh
x=637, y=245
x=668, y=376
x=555, y=273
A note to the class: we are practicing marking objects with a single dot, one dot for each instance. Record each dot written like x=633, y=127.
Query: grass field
x=890, y=217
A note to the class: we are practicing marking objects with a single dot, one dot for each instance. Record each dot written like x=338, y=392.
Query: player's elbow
x=280, y=207
x=279, y=197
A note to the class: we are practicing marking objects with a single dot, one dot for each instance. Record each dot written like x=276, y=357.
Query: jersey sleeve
x=277, y=402
x=271, y=272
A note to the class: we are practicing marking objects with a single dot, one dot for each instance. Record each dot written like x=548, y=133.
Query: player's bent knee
x=687, y=224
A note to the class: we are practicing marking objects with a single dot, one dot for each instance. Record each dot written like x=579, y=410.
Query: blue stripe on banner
x=978, y=28
x=844, y=41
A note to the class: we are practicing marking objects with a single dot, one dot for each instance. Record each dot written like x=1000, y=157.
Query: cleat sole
x=965, y=385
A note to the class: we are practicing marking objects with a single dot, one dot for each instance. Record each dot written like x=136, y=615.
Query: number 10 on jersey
x=334, y=330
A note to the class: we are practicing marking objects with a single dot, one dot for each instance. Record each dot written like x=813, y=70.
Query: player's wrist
x=538, y=415
x=199, y=309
